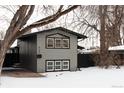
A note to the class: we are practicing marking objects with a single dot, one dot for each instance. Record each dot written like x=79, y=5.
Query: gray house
x=49, y=50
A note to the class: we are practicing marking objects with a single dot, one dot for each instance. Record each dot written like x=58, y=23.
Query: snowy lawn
x=87, y=77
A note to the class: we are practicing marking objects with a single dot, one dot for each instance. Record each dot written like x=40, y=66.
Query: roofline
x=80, y=36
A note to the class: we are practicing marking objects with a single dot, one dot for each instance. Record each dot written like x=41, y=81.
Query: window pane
x=50, y=63
x=57, y=63
x=58, y=43
x=50, y=67
x=57, y=67
x=50, y=42
x=66, y=62
x=65, y=43
x=65, y=65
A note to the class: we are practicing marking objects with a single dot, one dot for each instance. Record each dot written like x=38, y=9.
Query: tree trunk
x=103, y=42
x=3, y=51
x=109, y=36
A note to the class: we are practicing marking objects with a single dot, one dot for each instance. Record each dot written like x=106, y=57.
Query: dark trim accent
x=47, y=36
x=46, y=42
x=39, y=55
x=54, y=64
x=57, y=33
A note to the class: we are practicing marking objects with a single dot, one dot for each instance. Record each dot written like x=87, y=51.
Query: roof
x=60, y=28
x=80, y=47
x=116, y=48
x=88, y=51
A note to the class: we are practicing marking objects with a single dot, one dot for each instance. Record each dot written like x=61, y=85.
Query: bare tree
x=18, y=25
x=111, y=21
x=107, y=22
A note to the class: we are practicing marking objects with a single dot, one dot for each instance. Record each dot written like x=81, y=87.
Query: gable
x=57, y=35
x=79, y=36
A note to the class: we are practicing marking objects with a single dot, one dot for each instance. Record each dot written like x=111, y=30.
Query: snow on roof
x=96, y=50
x=121, y=47
x=87, y=51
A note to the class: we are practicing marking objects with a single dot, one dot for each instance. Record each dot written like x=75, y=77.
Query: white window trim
x=65, y=65
x=52, y=40
x=63, y=44
x=61, y=65
x=50, y=65
x=58, y=65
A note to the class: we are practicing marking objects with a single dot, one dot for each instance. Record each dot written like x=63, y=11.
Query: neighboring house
x=49, y=50
x=91, y=57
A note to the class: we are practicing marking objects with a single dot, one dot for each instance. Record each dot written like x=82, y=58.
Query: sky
x=91, y=41
x=64, y=2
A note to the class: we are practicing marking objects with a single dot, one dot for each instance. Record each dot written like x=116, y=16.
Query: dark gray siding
x=28, y=51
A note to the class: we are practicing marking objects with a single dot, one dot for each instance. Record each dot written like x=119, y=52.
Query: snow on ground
x=87, y=77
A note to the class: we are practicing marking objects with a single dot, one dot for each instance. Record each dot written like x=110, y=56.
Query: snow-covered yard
x=87, y=77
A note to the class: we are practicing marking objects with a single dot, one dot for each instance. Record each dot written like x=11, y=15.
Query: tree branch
x=48, y=19
x=92, y=26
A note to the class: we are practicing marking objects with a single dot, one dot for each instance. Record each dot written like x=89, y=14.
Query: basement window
x=65, y=65
x=50, y=66
x=57, y=65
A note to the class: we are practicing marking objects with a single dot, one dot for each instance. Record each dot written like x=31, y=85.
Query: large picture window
x=58, y=42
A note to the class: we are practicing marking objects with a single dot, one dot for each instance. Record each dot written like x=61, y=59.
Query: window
x=65, y=43
x=57, y=65
x=57, y=43
x=50, y=42
x=50, y=66
x=65, y=65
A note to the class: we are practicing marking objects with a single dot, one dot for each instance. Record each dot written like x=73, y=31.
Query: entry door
x=50, y=66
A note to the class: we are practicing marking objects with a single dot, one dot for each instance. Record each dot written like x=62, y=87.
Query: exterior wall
x=53, y=54
x=28, y=51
